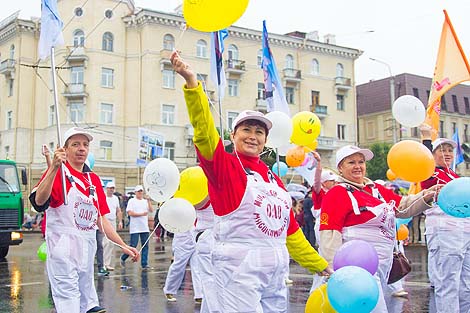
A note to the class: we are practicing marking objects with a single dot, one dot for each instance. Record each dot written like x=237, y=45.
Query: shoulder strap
x=354, y=203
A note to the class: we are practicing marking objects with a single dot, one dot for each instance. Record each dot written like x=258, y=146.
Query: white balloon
x=161, y=179
x=409, y=111
x=281, y=131
x=177, y=215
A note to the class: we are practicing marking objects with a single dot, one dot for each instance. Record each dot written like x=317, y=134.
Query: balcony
x=7, y=68
x=76, y=55
x=75, y=91
x=235, y=66
x=326, y=143
x=292, y=75
x=321, y=111
x=343, y=83
x=261, y=105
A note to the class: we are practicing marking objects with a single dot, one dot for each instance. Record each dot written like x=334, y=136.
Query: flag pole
x=57, y=117
x=277, y=162
x=220, y=114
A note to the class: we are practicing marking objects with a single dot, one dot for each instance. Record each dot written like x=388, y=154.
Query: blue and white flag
x=276, y=101
x=217, y=63
x=458, y=153
x=51, y=28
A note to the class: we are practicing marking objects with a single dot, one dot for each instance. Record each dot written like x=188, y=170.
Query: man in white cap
x=71, y=228
x=138, y=209
x=114, y=213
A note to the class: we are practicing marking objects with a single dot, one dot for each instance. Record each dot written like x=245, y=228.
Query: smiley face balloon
x=306, y=128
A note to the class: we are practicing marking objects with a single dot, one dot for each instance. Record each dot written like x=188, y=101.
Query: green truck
x=11, y=206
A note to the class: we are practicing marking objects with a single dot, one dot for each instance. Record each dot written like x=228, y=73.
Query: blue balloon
x=90, y=160
x=282, y=169
x=454, y=198
x=402, y=221
x=352, y=289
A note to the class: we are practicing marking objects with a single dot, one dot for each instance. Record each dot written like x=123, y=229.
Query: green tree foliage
x=377, y=167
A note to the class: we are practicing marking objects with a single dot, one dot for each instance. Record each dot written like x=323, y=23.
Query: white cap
x=110, y=184
x=440, y=141
x=251, y=115
x=349, y=150
x=138, y=188
x=297, y=188
x=76, y=131
x=297, y=195
x=380, y=182
x=327, y=175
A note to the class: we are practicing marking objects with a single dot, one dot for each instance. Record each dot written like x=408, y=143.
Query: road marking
x=25, y=284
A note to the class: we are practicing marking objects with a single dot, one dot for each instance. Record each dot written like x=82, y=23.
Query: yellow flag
x=451, y=69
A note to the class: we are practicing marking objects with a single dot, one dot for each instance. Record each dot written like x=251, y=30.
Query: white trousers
x=108, y=248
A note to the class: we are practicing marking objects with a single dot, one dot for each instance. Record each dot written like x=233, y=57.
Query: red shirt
x=318, y=199
x=227, y=180
x=337, y=210
x=441, y=176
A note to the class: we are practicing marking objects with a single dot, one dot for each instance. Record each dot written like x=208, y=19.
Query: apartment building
x=376, y=123
x=115, y=77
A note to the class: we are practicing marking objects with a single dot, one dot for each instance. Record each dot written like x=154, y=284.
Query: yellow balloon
x=306, y=128
x=318, y=301
x=391, y=175
x=212, y=15
x=193, y=185
x=311, y=147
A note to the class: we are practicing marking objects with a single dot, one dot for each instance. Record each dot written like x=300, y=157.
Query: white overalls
x=71, y=247
x=448, y=241
x=380, y=233
x=250, y=258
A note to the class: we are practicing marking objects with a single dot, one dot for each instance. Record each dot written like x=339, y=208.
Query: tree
x=377, y=167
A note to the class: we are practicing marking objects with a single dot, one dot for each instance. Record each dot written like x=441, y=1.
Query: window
x=231, y=116
x=78, y=38
x=428, y=93
x=11, y=84
x=290, y=95
x=259, y=58
x=232, y=52
x=340, y=103
x=106, y=150
x=52, y=146
x=442, y=134
x=107, y=42
x=443, y=103
x=232, y=87
x=78, y=12
x=315, y=67
x=370, y=130
x=7, y=152
x=51, y=119
x=9, y=122
x=107, y=77
x=76, y=74
x=201, y=49
x=455, y=103
x=261, y=91
x=416, y=92
x=467, y=105
x=76, y=112
x=12, y=52
x=108, y=14
x=106, y=113
x=341, y=131
x=168, y=114
x=339, y=70
x=289, y=61
x=169, y=150
x=414, y=132
x=465, y=133
x=315, y=99
x=454, y=127
x=168, y=42
x=202, y=78
x=168, y=78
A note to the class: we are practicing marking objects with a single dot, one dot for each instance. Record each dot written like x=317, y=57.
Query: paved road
x=24, y=285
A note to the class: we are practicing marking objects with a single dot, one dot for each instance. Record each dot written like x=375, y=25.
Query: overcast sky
x=405, y=32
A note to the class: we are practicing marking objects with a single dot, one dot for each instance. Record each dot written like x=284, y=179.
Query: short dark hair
x=253, y=122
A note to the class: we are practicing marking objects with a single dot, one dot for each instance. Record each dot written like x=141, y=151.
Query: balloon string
x=183, y=28
x=150, y=236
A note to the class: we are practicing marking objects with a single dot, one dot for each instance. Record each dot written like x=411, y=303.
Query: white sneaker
x=401, y=293
x=289, y=281
x=170, y=297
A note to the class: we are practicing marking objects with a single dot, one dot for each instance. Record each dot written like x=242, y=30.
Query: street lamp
x=392, y=95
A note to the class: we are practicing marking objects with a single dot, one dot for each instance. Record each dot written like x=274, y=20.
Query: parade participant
x=447, y=237
x=114, y=215
x=253, y=217
x=357, y=208
x=138, y=209
x=71, y=227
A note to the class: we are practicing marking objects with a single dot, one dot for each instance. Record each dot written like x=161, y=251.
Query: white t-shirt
x=138, y=224
x=113, y=205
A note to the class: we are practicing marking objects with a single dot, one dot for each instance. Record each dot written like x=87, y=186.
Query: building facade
x=115, y=76
x=375, y=120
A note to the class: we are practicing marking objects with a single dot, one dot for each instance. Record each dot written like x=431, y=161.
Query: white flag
x=51, y=28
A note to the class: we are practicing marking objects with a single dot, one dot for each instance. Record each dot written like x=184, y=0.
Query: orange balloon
x=391, y=175
x=411, y=161
x=402, y=232
x=311, y=147
x=295, y=156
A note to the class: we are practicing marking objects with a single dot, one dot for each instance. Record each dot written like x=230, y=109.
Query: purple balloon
x=357, y=253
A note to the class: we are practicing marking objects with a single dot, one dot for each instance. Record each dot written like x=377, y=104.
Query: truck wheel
x=3, y=252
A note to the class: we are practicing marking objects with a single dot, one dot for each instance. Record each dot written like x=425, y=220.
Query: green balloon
x=42, y=252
